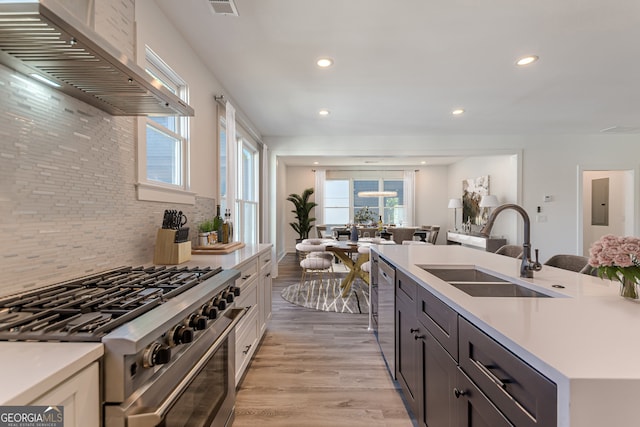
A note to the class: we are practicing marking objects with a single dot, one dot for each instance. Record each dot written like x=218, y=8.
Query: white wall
x=431, y=199
x=297, y=179
x=503, y=183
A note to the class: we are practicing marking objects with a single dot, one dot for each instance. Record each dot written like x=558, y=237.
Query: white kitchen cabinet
x=247, y=338
x=80, y=397
x=255, y=292
x=265, y=290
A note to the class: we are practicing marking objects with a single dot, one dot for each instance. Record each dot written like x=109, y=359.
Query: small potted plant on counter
x=204, y=229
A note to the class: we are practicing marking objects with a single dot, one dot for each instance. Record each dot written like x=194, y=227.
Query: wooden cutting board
x=217, y=248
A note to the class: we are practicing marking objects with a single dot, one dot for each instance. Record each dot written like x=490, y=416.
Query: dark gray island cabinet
x=452, y=374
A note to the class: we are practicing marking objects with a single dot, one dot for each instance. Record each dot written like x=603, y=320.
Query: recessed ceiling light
x=324, y=62
x=457, y=111
x=526, y=60
x=423, y=162
x=324, y=112
x=316, y=163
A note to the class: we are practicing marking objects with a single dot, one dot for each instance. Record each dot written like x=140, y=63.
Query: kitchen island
x=584, y=338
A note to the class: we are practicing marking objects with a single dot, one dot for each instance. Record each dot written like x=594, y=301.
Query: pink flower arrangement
x=616, y=257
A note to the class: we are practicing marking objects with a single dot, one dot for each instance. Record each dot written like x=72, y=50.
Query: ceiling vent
x=44, y=40
x=224, y=7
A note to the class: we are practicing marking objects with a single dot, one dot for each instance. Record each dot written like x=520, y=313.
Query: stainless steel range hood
x=42, y=38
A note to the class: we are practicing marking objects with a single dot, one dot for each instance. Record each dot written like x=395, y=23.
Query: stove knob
x=181, y=335
x=197, y=322
x=235, y=290
x=210, y=311
x=162, y=355
x=228, y=296
x=220, y=303
x=156, y=354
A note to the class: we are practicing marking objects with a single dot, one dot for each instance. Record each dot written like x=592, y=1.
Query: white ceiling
x=402, y=66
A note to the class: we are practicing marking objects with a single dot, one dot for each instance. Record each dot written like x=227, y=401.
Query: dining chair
x=316, y=264
x=366, y=266
x=513, y=251
x=433, y=234
x=575, y=263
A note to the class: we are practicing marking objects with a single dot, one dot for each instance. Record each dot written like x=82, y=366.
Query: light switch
x=541, y=218
x=548, y=198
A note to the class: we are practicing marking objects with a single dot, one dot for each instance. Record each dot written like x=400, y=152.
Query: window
x=245, y=174
x=247, y=202
x=336, y=202
x=341, y=200
x=390, y=208
x=164, y=153
x=222, y=178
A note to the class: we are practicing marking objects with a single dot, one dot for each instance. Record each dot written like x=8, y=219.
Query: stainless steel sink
x=478, y=283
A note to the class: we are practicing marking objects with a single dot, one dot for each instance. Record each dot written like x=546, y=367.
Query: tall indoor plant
x=302, y=210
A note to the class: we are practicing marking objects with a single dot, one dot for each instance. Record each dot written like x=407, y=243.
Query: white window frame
x=242, y=200
x=152, y=190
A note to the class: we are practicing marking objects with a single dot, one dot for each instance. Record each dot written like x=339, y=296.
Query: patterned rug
x=325, y=295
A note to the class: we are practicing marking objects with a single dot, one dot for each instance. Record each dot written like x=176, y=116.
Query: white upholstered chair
x=316, y=264
x=366, y=266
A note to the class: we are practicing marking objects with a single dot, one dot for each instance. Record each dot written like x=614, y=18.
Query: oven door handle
x=152, y=419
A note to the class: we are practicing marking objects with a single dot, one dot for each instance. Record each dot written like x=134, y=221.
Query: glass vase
x=628, y=289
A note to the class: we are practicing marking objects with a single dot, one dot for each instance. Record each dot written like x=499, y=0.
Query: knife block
x=167, y=251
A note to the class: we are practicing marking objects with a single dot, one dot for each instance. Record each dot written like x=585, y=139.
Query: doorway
x=607, y=207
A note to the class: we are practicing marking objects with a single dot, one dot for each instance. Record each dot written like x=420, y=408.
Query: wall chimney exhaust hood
x=42, y=38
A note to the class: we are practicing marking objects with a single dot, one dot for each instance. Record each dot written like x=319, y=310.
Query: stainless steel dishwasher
x=386, y=313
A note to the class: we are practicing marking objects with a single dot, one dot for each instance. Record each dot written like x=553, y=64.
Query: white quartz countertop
x=586, y=340
x=30, y=369
x=232, y=260
x=586, y=332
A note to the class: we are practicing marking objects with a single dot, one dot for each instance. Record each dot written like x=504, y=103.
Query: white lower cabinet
x=264, y=296
x=247, y=338
x=80, y=397
x=255, y=292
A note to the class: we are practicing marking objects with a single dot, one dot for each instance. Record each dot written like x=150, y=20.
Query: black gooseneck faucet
x=528, y=266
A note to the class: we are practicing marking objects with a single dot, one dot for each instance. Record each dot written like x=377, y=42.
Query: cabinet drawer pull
x=497, y=381
x=418, y=337
x=457, y=393
x=246, y=350
x=412, y=330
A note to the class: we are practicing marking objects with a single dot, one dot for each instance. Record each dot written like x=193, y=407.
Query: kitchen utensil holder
x=167, y=251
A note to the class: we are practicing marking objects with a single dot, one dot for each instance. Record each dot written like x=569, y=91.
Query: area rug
x=326, y=295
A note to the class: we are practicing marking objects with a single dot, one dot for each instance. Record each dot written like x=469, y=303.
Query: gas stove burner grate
x=87, y=308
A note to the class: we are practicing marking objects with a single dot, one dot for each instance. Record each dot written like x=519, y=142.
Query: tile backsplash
x=67, y=187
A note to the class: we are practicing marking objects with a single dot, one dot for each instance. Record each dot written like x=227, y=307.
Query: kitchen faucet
x=528, y=266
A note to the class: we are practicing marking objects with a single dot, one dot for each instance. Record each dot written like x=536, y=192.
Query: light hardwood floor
x=317, y=369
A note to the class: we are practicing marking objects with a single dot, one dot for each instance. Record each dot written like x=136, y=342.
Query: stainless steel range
x=168, y=335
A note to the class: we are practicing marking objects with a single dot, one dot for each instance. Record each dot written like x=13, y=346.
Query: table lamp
x=455, y=204
x=489, y=201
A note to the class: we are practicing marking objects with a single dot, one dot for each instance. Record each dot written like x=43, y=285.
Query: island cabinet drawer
x=406, y=287
x=522, y=394
x=439, y=319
